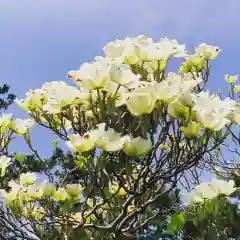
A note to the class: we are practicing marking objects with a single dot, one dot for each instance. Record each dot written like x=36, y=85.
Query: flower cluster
x=28, y=190
x=132, y=75
x=9, y=126
x=109, y=141
x=208, y=191
x=141, y=90
x=131, y=124
x=19, y=126
x=233, y=80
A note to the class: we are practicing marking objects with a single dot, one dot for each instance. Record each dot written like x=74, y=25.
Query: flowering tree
x=6, y=99
x=137, y=133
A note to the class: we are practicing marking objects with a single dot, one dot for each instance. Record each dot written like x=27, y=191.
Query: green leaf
x=107, y=192
x=165, y=147
x=81, y=161
x=19, y=157
x=212, y=206
x=67, y=206
x=80, y=234
x=176, y=223
x=100, y=164
x=55, y=143
x=200, y=215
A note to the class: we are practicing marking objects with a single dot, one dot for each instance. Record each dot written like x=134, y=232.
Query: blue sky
x=41, y=40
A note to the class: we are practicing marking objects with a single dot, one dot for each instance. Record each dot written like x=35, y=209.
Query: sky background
x=41, y=40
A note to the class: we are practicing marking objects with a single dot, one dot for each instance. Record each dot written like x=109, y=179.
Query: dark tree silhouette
x=6, y=98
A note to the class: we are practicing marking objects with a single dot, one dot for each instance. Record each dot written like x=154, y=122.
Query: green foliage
x=6, y=98
x=177, y=222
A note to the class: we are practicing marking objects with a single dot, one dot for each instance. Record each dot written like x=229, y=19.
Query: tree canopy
x=140, y=137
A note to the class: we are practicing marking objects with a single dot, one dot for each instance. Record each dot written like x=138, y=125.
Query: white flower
x=174, y=87
x=5, y=120
x=190, y=198
x=115, y=49
x=109, y=140
x=27, y=178
x=111, y=88
x=121, y=51
x=141, y=101
x=208, y=191
x=234, y=115
x=81, y=143
x=4, y=163
x=59, y=95
x=33, y=192
x=166, y=92
x=231, y=79
x=47, y=189
x=13, y=194
x=52, y=106
x=75, y=76
x=94, y=75
x=21, y=126
x=210, y=120
x=222, y=187
x=14, y=186
x=34, y=100
x=187, y=99
x=207, y=51
x=201, y=193
x=172, y=48
x=193, y=63
x=147, y=50
x=123, y=75
x=60, y=195
x=211, y=111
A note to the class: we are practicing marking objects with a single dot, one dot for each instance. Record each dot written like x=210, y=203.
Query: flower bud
x=27, y=178
x=176, y=110
x=60, y=195
x=48, y=189
x=137, y=147
x=74, y=190
x=191, y=130
x=236, y=89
